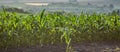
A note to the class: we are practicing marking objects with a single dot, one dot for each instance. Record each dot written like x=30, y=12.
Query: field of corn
x=57, y=28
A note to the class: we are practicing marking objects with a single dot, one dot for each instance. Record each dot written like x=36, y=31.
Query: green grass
x=53, y=28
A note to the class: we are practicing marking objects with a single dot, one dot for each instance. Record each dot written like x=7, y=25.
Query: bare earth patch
x=78, y=47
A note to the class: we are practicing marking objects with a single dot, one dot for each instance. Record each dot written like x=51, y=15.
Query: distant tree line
x=115, y=12
x=13, y=9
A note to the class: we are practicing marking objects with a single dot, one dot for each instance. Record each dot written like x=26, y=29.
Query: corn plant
x=52, y=28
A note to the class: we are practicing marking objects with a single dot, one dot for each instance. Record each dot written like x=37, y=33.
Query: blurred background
x=73, y=6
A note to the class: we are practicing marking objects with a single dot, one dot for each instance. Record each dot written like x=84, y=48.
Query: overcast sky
x=50, y=0
x=60, y=0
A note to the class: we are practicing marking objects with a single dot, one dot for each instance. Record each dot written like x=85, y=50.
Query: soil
x=77, y=47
